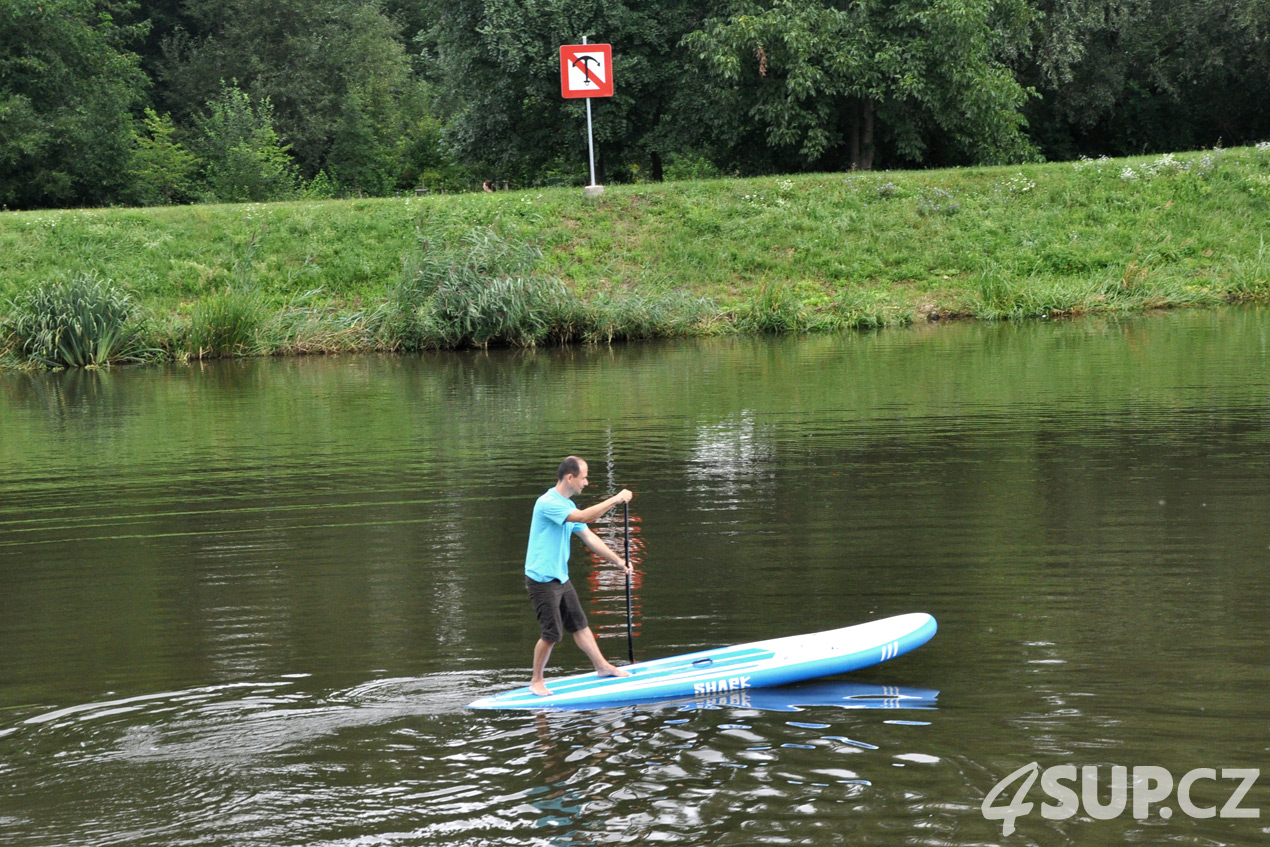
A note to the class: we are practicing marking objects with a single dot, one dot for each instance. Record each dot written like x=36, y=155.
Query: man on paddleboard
x=556, y=518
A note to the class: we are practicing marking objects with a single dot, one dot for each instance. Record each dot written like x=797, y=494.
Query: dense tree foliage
x=496, y=63
x=321, y=63
x=68, y=88
x=1135, y=76
x=243, y=156
x=170, y=101
x=163, y=171
x=828, y=81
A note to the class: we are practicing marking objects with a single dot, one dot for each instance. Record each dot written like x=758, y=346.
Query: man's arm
x=591, y=513
x=597, y=546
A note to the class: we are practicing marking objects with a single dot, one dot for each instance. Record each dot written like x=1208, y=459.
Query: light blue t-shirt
x=548, y=555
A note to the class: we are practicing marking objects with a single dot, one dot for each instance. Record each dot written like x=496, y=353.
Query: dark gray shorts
x=557, y=606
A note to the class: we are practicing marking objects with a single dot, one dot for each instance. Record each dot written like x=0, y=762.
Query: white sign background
x=598, y=70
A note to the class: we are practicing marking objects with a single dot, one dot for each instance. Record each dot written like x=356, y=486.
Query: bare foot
x=612, y=670
x=540, y=689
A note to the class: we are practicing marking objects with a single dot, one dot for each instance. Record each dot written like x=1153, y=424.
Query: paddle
x=630, y=627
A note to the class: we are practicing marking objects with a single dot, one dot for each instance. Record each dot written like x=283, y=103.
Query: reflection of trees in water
x=730, y=452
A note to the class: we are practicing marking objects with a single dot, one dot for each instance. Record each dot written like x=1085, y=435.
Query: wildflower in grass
x=1019, y=184
x=1162, y=165
x=1263, y=147
x=937, y=201
x=1202, y=166
x=1128, y=174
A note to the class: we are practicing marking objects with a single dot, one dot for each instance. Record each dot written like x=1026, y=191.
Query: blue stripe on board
x=657, y=669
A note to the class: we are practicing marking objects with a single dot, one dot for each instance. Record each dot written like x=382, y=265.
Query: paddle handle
x=630, y=623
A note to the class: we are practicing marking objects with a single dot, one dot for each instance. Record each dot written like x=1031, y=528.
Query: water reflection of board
x=778, y=661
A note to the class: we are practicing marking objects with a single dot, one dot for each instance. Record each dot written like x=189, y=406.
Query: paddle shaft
x=630, y=625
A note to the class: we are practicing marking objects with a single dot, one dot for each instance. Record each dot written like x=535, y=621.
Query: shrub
x=81, y=321
x=319, y=188
x=479, y=291
x=244, y=157
x=162, y=170
x=775, y=311
x=682, y=166
x=225, y=324
x=1250, y=277
x=856, y=309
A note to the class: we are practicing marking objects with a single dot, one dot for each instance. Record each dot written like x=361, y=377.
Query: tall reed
x=633, y=316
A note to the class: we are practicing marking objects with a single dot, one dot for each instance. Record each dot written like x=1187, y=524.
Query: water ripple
x=398, y=761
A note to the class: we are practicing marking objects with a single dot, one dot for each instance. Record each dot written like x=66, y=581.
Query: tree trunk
x=860, y=134
x=853, y=136
x=866, y=142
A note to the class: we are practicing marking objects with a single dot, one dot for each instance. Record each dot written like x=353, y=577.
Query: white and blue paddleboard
x=778, y=661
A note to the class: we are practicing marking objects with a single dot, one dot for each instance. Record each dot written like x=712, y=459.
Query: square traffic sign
x=586, y=70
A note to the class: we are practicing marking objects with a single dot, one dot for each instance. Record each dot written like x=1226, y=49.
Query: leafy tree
x=359, y=160
x=828, y=83
x=424, y=159
x=67, y=88
x=163, y=171
x=309, y=58
x=244, y=158
x=495, y=65
x=377, y=95
x=1132, y=76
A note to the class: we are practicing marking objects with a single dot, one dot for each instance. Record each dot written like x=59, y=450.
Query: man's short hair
x=571, y=466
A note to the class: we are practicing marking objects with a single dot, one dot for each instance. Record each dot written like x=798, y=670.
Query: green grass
x=813, y=252
x=227, y=323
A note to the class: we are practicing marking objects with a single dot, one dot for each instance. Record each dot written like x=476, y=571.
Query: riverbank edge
x=795, y=254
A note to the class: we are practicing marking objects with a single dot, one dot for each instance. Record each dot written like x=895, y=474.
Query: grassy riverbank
x=783, y=254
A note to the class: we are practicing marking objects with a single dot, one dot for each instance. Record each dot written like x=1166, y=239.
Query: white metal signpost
x=586, y=70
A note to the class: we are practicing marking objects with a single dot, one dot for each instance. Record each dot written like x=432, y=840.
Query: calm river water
x=246, y=603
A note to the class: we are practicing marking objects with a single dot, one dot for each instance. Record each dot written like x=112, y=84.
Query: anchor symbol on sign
x=580, y=62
